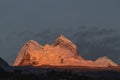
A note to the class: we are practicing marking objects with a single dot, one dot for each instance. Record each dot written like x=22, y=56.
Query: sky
x=93, y=25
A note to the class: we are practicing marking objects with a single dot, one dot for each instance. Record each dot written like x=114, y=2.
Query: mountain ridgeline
x=61, y=53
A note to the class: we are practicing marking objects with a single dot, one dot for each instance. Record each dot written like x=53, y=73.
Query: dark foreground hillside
x=53, y=74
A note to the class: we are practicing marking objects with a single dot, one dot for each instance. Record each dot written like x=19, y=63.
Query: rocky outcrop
x=105, y=61
x=65, y=43
x=23, y=57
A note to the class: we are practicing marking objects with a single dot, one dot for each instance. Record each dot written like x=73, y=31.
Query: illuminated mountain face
x=61, y=53
x=105, y=61
x=26, y=50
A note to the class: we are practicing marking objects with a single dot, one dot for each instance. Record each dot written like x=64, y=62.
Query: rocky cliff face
x=23, y=57
x=61, y=53
x=64, y=43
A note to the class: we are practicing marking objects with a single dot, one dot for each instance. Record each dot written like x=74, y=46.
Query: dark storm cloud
x=92, y=24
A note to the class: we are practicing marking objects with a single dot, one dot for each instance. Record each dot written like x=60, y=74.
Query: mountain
x=5, y=66
x=61, y=53
x=24, y=54
x=105, y=61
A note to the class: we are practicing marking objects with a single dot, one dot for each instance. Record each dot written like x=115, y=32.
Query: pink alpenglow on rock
x=105, y=61
x=61, y=53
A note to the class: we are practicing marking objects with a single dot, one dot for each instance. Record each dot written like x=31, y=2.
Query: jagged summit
x=32, y=44
x=23, y=53
x=105, y=61
x=65, y=43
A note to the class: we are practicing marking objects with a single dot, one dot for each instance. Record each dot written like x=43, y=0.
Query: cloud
x=96, y=41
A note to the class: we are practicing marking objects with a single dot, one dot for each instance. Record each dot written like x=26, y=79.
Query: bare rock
x=24, y=54
x=61, y=53
x=105, y=61
x=65, y=43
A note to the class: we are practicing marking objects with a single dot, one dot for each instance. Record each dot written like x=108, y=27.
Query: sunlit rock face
x=24, y=54
x=64, y=43
x=105, y=61
x=61, y=53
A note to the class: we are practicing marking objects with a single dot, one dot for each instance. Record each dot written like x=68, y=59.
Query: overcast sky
x=93, y=25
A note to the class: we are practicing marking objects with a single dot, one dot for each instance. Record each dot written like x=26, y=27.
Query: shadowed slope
x=4, y=65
